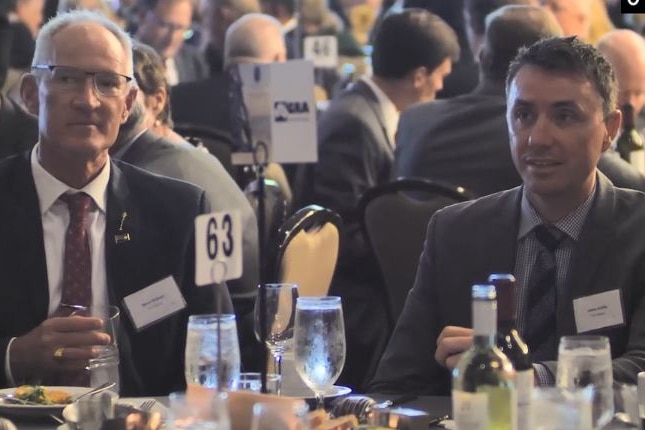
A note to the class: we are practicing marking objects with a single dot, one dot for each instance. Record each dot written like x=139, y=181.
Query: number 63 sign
x=218, y=247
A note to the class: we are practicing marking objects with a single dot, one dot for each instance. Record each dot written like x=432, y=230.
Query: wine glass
x=586, y=361
x=212, y=352
x=280, y=312
x=319, y=338
x=280, y=416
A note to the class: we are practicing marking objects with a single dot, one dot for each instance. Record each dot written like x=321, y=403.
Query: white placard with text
x=322, y=51
x=218, y=247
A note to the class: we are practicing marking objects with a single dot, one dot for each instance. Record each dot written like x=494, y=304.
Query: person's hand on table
x=58, y=344
x=451, y=343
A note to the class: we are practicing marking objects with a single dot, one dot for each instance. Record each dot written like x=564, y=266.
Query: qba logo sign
x=632, y=6
x=291, y=111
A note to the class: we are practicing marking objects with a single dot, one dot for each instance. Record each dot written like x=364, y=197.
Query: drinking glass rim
x=592, y=339
x=318, y=302
x=210, y=318
x=277, y=285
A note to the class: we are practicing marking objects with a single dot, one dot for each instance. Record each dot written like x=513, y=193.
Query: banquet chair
x=394, y=218
x=306, y=248
x=217, y=142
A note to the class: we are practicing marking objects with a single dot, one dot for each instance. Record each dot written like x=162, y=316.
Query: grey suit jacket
x=462, y=141
x=467, y=242
x=183, y=161
x=190, y=64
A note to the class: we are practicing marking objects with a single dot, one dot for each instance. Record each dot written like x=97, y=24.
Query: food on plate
x=42, y=395
x=320, y=420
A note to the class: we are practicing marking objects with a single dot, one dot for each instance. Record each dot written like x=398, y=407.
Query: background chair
x=394, y=217
x=217, y=142
x=305, y=251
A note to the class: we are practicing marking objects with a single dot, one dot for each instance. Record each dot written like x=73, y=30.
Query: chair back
x=216, y=141
x=306, y=250
x=394, y=217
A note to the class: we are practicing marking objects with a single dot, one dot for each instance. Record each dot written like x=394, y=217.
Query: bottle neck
x=484, y=322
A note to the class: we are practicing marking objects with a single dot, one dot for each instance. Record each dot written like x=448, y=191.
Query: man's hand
x=58, y=344
x=452, y=342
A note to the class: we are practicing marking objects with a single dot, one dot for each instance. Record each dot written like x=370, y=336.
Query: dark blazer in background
x=203, y=102
x=190, y=64
x=462, y=141
x=18, y=128
x=160, y=222
x=468, y=241
x=354, y=155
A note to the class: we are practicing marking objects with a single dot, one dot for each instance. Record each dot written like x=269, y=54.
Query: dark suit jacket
x=160, y=221
x=354, y=155
x=464, y=141
x=458, y=253
x=18, y=128
x=203, y=102
x=190, y=64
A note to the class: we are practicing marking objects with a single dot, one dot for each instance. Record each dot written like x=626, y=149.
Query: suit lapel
x=502, y=229
x=597, y=232
x=27, y=234
x=374, y=105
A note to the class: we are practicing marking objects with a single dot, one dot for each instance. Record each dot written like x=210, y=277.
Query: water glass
x=252, y=381
x=554, y=408
x=203, y=411
x=105, y=367
x=319, y=343
x=280, y=309
x=280, y=416
x=212, y=352
x=586, y=361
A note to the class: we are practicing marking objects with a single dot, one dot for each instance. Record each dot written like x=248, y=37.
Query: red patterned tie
x=77, y=268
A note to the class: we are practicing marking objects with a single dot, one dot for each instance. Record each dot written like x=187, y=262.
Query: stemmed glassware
x=280, y=315
x=319, y=342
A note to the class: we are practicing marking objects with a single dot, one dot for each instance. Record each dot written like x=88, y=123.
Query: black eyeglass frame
x=52, y=67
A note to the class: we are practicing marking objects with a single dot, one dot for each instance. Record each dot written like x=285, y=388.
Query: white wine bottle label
x=637, y=159
x=524, y=381
x=470, y=410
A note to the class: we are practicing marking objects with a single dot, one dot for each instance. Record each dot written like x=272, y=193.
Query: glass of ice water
x=212, y=352
x=280, y=313
x=586, y=361
x=319, y=343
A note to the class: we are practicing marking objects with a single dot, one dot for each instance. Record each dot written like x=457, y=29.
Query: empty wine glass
x=319, y=342
x=280, y=312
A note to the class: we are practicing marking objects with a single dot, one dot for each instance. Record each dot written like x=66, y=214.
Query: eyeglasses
x=68, y=78
x=171, y=27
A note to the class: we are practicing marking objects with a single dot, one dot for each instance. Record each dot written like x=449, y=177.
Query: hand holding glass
x=319, y=343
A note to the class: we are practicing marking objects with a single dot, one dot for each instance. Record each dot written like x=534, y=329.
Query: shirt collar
x=571, y=224
x=49, y=189
x=290, y=25
x=388, y=109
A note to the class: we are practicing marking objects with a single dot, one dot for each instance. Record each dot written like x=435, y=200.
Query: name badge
x=154, y=303
x=598, y=311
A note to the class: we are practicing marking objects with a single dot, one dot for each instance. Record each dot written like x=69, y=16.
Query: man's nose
x=86, y=94
x=540, y=132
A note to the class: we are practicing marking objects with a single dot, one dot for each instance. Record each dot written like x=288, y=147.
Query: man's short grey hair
x=44, y=47
x=240, y=43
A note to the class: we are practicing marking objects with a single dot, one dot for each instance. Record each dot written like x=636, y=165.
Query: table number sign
x=322, y=51
x=218, y=247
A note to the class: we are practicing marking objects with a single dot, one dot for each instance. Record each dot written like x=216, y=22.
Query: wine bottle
x=629, y=143
x=512, y=345
x=483, y=387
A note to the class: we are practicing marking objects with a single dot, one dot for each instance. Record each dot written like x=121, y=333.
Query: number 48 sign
x=218, y=247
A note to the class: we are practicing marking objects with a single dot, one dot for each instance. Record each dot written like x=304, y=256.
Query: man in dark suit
x=144, y=149
x=164, y=25
x=81, y=229
x=464, y=140
x=413, y=52
x=561, y=116
x=18, y=128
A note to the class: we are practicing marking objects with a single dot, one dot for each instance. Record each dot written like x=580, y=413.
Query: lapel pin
x=122, y=236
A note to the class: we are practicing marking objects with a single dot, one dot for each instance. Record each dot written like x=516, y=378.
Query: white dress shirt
x=172, y=74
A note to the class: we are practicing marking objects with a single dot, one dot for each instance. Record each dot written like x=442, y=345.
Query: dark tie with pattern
x=540, y=332
x=77, y=266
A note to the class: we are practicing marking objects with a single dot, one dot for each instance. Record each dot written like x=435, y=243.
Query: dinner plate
x=306, y=393
x=37, y=410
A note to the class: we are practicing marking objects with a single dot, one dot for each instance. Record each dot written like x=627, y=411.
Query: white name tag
x=218, y=247
x=154, y=303
x=598, y=311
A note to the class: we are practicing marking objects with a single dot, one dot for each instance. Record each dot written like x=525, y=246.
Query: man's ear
x=612, y=125
x=29, y=92
x=129, y=102
x=419, y=76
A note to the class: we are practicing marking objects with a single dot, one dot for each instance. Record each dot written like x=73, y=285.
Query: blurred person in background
x=218, y=15
x=164, y=25
x=101, y=6
x=574, y=16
